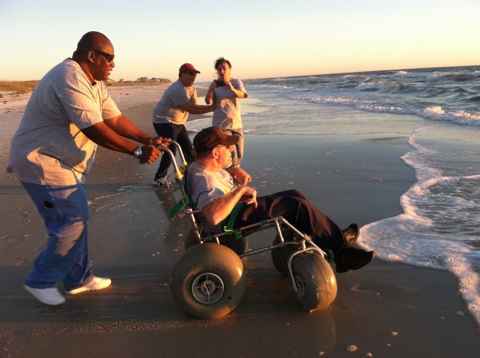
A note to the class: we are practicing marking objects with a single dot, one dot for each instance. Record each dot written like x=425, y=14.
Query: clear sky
x=261, y=38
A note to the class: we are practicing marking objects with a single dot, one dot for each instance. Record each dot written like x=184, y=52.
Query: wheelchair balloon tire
x=209, y=281
x=315, y=281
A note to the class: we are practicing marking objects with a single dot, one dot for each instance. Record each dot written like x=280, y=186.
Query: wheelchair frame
x=301, y=245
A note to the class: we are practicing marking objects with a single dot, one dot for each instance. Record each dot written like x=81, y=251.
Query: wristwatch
x=137, y=152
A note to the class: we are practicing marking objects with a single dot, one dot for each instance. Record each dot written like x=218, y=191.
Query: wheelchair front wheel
x=315, y=281
x=280, y=255
x=209, y=281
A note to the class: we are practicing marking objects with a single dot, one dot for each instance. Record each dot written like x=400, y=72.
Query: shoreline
x=385, y=309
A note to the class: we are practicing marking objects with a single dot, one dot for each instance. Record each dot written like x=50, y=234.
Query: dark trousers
x=177, y=132
x=293, y=206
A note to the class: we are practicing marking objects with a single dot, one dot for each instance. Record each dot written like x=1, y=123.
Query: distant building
x=153, y=79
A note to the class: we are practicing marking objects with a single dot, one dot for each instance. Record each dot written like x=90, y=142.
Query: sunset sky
x=260, y=38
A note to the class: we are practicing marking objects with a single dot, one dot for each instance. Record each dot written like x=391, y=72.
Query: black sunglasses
x=108, y=57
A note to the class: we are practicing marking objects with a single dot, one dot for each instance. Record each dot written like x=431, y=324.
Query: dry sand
x=384, y=310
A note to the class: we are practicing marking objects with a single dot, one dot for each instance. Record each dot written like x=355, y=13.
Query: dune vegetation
x=20, y=87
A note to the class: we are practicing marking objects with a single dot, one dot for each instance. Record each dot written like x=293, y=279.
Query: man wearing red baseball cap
x=187, y=67
x=171, y=113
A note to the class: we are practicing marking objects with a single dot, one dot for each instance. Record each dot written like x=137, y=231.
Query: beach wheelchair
x=209, y=279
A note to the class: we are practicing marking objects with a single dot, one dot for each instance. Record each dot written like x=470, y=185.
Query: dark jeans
x=293, y=206
x=177, y=132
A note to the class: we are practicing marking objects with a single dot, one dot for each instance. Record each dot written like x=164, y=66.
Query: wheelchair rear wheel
x=238, y=245
x=190, y=238
x=315, y=281
x=209, y=281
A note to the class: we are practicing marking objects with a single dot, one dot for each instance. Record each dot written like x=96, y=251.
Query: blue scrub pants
x=65, y=257
x=237, y=153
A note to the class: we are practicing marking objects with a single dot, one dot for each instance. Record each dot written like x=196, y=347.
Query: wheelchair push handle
x=179, y=170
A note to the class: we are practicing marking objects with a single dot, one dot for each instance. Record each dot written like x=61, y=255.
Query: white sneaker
x=160, y=182
x=97, y=283
x=49, y=296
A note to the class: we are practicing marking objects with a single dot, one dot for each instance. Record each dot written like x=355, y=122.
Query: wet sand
x=385, y=309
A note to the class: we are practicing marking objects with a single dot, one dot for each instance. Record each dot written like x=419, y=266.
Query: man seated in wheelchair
x=216, y=192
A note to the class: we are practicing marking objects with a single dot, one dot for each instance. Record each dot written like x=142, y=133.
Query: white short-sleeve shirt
x=168, y=109
x=205, y=186
x=49, y=147
x=227, y=115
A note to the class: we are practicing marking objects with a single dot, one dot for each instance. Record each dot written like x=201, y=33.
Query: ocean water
x=438, y=109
